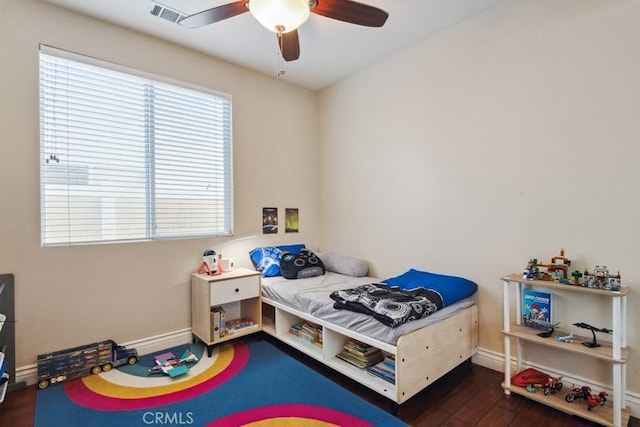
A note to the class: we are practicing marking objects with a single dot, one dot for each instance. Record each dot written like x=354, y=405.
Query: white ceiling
x=330, y=49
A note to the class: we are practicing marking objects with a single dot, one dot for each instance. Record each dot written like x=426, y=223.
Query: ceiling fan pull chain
x=281, y=70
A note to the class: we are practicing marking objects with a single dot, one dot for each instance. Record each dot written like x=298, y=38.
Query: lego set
x=558, y=271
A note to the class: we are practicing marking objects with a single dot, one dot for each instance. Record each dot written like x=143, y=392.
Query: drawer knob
x=237, y=290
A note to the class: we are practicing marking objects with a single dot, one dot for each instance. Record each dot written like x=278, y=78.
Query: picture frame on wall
x=291, y=220
x=269, y=220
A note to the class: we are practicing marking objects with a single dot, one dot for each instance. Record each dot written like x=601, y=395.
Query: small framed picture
x=291, y=220
x=269, y=220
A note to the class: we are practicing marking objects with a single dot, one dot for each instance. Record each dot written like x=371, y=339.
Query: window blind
x=127, y=157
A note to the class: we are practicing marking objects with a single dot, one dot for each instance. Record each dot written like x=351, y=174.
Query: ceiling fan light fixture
x=280, y=16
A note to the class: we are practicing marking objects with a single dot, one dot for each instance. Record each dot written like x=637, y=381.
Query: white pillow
x=344, y=265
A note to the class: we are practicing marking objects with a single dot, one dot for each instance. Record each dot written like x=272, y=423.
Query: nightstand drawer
x=225, y=291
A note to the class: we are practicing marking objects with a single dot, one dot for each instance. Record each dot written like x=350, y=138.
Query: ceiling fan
x=285, y=16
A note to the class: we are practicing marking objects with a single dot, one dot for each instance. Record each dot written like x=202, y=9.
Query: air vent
x=164, y=12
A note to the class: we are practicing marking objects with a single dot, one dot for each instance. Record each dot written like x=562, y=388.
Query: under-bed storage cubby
x=279, y=319
x=334, y=343
x=268, y=318
x=283, y=321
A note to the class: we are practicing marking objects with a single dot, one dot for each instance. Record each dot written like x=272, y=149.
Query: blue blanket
x=450, y=288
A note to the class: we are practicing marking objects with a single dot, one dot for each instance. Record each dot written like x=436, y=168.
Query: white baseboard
x=495, y=361
x=489, y=359
x=29, y=374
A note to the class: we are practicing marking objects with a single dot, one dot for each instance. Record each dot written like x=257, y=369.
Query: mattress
x=311, y=295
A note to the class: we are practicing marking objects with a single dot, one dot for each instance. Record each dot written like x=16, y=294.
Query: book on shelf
x=236, y=325
x=217, y=322
x=360, y=354
x=389, y=362
x=537, y=309
x=377, y=372
x=308, y=331
x=385, y=369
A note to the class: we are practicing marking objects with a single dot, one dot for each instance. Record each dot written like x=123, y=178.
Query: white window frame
x=160, y=167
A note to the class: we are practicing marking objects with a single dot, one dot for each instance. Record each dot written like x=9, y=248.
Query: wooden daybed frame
x=422, y=356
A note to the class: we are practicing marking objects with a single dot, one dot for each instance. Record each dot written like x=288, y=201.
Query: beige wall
x=509, y=136
x=68, y=296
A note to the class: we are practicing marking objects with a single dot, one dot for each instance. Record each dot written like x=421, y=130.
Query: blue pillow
x=266, y=259
x=451, y=288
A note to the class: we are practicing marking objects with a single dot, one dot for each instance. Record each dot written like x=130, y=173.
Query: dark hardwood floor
x=470, y=395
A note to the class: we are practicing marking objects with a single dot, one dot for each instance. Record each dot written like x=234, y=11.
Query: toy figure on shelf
x=600, y=278
x=593, y=330
x=559, y=266
x=532, y=271
x=577, y=275
x=557, y=269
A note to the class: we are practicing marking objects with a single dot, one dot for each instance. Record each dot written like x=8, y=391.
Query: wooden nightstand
x=237, y=293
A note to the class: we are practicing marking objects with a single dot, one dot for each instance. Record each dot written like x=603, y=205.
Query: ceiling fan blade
x=216, y=14
x=289, y=45
x=351, y=12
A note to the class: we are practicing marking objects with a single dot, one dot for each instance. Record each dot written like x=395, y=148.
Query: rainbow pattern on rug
x=117, y=391
x=246, y=382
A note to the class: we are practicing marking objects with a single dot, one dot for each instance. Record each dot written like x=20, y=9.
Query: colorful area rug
x=246, y=382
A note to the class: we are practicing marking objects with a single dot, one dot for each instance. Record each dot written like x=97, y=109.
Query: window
x=126, y=157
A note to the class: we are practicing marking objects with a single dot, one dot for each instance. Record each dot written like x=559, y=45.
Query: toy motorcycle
x=594, y=400
x=578, y=393
x=553, y=385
